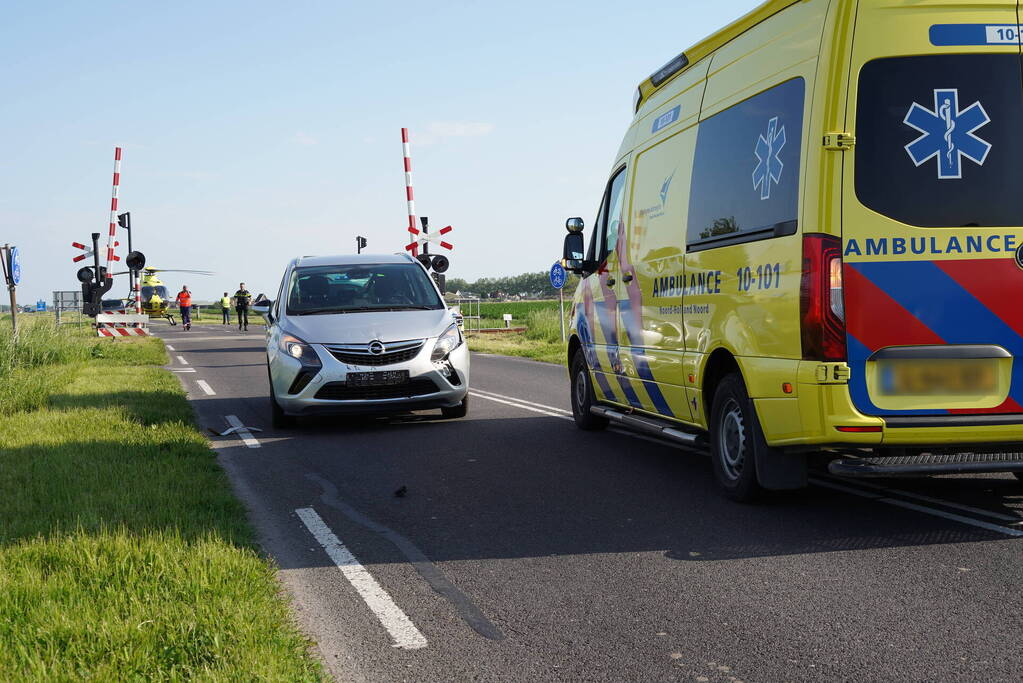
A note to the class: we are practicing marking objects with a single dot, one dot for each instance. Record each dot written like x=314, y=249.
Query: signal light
x=84, y=274
x=440, y=263
x=821, y=302
x=136, y=260
x=425, y=260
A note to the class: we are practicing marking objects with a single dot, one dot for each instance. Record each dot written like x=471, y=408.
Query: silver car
x=362, y=334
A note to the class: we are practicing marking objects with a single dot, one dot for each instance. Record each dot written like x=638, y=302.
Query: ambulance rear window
x=938, y=140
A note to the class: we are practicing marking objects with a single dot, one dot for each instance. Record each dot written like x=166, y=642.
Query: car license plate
x=939, y=377
x=377, y=379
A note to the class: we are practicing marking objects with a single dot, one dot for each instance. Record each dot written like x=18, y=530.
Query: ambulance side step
x=652, y=426
x=927, y=463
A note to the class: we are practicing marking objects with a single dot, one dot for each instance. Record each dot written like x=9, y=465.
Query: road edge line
x=398, y=624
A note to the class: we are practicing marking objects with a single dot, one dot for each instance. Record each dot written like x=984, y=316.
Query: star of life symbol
x=769, y=164
x=947, y=133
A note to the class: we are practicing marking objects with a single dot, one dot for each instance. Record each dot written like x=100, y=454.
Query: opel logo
x=1019, y=256
x=376, y=347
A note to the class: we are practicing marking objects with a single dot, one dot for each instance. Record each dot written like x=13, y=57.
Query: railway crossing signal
x=360, y=244
x=422, y=238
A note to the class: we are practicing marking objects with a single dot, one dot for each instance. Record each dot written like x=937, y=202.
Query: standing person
x=225, y=308
x=242, y=299
x=184, y=299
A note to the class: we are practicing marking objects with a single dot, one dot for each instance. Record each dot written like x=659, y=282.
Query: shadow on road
x=536, y=487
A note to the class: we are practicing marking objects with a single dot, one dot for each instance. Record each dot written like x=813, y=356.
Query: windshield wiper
x=317, y=311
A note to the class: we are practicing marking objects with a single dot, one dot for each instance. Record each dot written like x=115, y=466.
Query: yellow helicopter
x=153, y=293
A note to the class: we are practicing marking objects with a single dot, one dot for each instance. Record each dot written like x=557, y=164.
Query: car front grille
x=359, y=354
x=340, y=391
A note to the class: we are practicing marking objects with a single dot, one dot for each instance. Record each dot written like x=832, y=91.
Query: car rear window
x=938, y=141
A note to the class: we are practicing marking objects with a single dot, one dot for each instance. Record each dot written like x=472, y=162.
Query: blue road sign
x=15, y=266
x=558, y=276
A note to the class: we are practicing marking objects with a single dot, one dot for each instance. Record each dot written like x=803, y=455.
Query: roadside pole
x=561, y=310
x=12, y=276
x=558, y=276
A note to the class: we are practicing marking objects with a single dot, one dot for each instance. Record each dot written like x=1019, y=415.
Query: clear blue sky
x=255, y=132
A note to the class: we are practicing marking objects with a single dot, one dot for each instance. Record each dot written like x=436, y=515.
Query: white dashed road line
x=206, y=387
x=242, y=431
x=182, y=369
x=401, y=629
x=181, y=359
x=169, y=347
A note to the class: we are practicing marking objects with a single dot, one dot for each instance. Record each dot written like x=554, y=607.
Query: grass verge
x=123, y=552
x=518, y=344
x=541, y=340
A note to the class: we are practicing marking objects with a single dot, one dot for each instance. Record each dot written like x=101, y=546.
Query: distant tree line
x=527, y=285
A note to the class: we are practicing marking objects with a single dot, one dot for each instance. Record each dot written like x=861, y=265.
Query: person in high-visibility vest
x=184, y=299
x=225, y=308
x=242, y=299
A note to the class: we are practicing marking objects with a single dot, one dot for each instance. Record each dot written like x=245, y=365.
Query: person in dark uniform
x=242, y=300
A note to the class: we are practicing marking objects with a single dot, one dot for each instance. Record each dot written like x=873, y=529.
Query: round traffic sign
x=15, y=266
x=558, y=276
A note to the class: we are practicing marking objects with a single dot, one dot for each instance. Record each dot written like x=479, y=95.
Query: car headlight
x=446, y=343
x=296, y=348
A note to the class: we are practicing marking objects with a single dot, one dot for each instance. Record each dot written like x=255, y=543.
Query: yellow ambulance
x=810, y=246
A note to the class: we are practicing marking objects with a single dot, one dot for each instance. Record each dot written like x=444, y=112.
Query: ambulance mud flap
x=777, y=470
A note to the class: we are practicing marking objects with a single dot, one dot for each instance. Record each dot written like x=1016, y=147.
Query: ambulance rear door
x=932, y=276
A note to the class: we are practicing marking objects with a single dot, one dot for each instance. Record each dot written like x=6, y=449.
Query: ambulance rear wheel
x=583, y=397
x=734, y=440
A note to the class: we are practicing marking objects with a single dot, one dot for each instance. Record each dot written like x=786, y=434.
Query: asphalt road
x=525, y=549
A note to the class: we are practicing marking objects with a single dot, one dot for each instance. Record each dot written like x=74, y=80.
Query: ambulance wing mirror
x=575, y=247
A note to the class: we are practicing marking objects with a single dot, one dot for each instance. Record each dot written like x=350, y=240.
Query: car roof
x=351, y=259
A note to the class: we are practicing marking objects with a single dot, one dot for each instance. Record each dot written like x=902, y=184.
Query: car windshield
x=361, y=287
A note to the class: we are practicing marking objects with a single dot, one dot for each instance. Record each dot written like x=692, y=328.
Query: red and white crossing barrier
x=121, y=324
x=113, y=214
x=413, y=230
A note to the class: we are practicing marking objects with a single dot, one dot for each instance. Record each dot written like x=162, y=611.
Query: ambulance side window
x=745, y=183
x=609, y=219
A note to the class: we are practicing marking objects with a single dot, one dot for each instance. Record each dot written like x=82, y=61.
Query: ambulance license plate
x=377, y=379
x=939, y=377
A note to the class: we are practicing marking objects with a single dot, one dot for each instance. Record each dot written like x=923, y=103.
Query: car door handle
x=627, y=277
x=610, y=282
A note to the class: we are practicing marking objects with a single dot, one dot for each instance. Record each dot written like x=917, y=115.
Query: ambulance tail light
x=821, y=300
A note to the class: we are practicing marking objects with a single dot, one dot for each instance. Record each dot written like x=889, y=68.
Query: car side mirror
x=263, y=308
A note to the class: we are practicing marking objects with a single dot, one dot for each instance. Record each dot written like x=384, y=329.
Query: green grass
x=518, y=309
x=540, y=341
x=517, y=344
x=123, y=553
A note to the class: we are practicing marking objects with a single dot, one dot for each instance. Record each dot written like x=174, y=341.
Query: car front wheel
x=278, y=418
x=461, y=410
